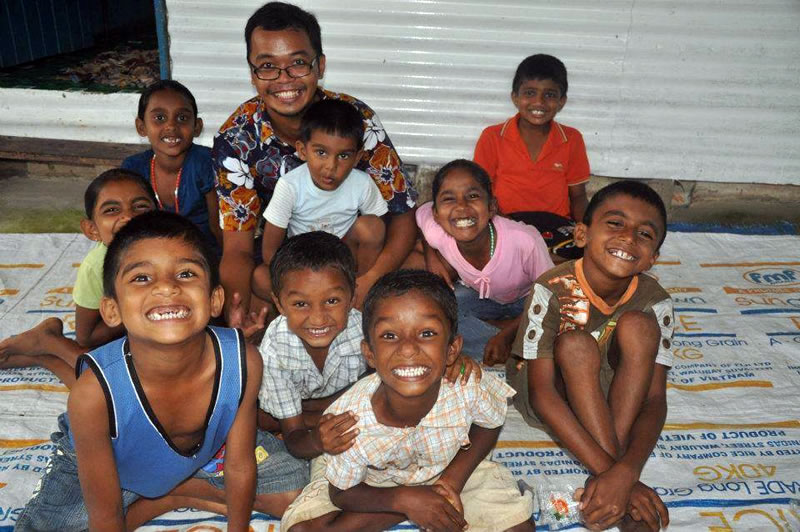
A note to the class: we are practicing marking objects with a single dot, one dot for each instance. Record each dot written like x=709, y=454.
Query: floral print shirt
x=249, y=158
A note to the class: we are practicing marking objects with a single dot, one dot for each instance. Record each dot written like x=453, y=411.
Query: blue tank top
x=148, y=463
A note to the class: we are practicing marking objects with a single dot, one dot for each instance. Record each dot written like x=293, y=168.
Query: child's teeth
x=465, y=222
x=323, y=330
x=169, y=315
x=409, y=372
x=622, y=255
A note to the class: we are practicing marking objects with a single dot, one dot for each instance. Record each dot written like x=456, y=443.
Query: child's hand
x=645, y=505
x=251, y=323
x=462, y=368
x=430, y=510
x=605, y=499
x=497, y=350
x=447, y=491
x=334, y=432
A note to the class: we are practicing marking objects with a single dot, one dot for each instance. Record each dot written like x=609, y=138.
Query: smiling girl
x=495, y=259
x=178, y=170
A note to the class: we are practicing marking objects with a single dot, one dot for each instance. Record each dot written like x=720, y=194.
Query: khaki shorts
x=518, y=379
x=491, y=498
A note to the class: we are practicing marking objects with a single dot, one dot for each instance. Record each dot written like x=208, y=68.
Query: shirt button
x=531, y=334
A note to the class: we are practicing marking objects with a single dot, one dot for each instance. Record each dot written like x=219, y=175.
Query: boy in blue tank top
x=159, y=404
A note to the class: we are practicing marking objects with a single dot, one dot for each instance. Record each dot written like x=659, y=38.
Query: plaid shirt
x=290, y=374
x=249, y=158
x=413, y=455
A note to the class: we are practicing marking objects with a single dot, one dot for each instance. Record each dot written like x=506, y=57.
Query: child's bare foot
x=36, y=341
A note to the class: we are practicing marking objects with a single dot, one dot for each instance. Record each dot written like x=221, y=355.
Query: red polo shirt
x=521, y=184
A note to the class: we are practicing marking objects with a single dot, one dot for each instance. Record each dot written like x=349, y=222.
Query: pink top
x=520, y=257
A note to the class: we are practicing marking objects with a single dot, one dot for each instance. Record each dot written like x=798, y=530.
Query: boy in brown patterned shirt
x=595, y=345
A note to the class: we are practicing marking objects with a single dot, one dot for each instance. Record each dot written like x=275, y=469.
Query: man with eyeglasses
x=256, y=146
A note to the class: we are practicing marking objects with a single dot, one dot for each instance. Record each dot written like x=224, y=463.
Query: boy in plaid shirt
x=312, y=351
x=420, y=453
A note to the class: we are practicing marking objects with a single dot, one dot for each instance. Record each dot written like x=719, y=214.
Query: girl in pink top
x=496, y=259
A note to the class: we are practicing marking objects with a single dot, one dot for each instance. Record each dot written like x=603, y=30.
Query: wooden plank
x=66, y=151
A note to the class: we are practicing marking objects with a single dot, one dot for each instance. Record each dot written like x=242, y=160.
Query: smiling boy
x=596, y=344
x=326, y=193
x=256, y=146
x=312, y=351
x=158, y=404
x=421, y=450
x=539, y=167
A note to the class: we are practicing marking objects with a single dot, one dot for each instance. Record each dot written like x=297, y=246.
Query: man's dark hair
x=156, y=224
x=401, y=282
x=277, y=16
x=113, y=176
x=334, y=117
x=474, y=169
x=541, y=66
x=314, y=251
x=634, y=189
x=165, y=84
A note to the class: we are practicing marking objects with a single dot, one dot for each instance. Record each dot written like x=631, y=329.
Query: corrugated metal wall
x=691, y=89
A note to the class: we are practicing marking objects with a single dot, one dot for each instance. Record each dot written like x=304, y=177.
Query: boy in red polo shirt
x=538, y=167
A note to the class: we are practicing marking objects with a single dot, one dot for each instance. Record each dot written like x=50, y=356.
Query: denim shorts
x=57, y=502
x=472, y=310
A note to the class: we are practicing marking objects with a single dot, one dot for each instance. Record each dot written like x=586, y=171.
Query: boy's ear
x=454, y=349
x=109, y=311
x=300, y=146
x=198, y=126
x=369, y=356
x=89, y=229
x=277, y=301
x=562, y=103
x=140, y=127
x=652, y=261
x=579, y=234
x=217, y=301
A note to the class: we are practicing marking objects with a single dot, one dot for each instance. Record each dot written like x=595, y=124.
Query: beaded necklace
x=491, y=239
x=155, y=190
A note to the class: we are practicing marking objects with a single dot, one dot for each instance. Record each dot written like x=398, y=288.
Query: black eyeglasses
x=300, y=69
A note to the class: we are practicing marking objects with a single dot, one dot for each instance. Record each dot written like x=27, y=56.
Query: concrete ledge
x=65, y=152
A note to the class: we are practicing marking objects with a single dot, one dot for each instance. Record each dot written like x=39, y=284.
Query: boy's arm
x=486, y=152
x=240, y=461
x=314, y=408
x=90, y=329
x=458, y=471
x=271, y=240
x=498, y=348
x=401, y=233
x=97, y=469
x=330, y=435
x=212, y=204
x=577, y=201
x=236, y=267
x=435, y=263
